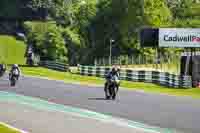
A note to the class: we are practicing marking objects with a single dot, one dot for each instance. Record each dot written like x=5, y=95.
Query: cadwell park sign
x=179, y=37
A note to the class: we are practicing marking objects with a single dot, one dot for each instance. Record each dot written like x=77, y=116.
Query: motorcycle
x=14, y=77
x=112, y=87
x=2, y=70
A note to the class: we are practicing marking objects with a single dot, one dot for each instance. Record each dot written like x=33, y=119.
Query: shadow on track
x=97, y=99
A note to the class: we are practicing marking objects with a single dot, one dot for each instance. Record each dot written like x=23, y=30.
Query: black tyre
x=113, y=97
x=13, y=81
x=1, y=74
x=110, y=91
x=113, y=93
x=107, y=97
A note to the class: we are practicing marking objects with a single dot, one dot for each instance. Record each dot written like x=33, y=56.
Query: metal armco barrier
x=55, y=65
x=162, y=78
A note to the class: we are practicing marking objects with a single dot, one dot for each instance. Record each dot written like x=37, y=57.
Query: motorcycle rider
x=15, y=67
x=112, y=73
x=2, y=69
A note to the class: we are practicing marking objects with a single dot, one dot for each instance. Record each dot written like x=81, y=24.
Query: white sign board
x=179, y=37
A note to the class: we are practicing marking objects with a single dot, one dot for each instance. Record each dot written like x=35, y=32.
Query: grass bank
x=11, y=50
x=88, y=80
x=5, y=129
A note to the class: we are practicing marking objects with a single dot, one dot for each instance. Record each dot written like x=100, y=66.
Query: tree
x=83, y=14
x=47, y=40
x=73, y=42
x=187, y=14
x=55, y=45
x=156, y=13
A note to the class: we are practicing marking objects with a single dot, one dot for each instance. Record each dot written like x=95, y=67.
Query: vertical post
x=177, y=64
x=139, y=59
x=191, y=65
x=156, y=58
x=110, y=57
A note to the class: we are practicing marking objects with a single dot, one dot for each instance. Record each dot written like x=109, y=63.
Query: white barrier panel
x=179, y=37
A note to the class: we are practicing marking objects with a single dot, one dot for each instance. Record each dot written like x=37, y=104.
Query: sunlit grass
x=4, y=129
x=11, y=50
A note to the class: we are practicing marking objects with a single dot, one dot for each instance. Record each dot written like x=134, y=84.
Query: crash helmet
x=15, y=66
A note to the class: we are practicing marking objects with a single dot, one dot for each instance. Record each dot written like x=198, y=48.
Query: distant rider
x=2, y=68
x=15, y=71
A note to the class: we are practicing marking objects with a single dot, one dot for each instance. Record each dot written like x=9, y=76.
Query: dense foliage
x=47, y=40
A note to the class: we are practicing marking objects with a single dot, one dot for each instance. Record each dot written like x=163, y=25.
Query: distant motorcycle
x=2, y=69
x=13, y=77
x=112, y=88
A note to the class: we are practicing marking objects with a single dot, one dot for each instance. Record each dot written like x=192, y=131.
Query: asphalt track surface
x=179, y=113
x=35, y=120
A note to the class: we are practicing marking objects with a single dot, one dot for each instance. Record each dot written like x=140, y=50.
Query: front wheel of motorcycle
x=114, y=95
x=107, y=97
x=12, y=82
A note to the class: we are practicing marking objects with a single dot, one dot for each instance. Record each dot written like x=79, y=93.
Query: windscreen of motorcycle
x=116, y=79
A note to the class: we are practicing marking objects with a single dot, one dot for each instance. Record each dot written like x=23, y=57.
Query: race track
x=181, y=114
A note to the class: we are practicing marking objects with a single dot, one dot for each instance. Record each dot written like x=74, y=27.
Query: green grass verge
x=11, y=50
x=88, y=80
x=4, y=129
